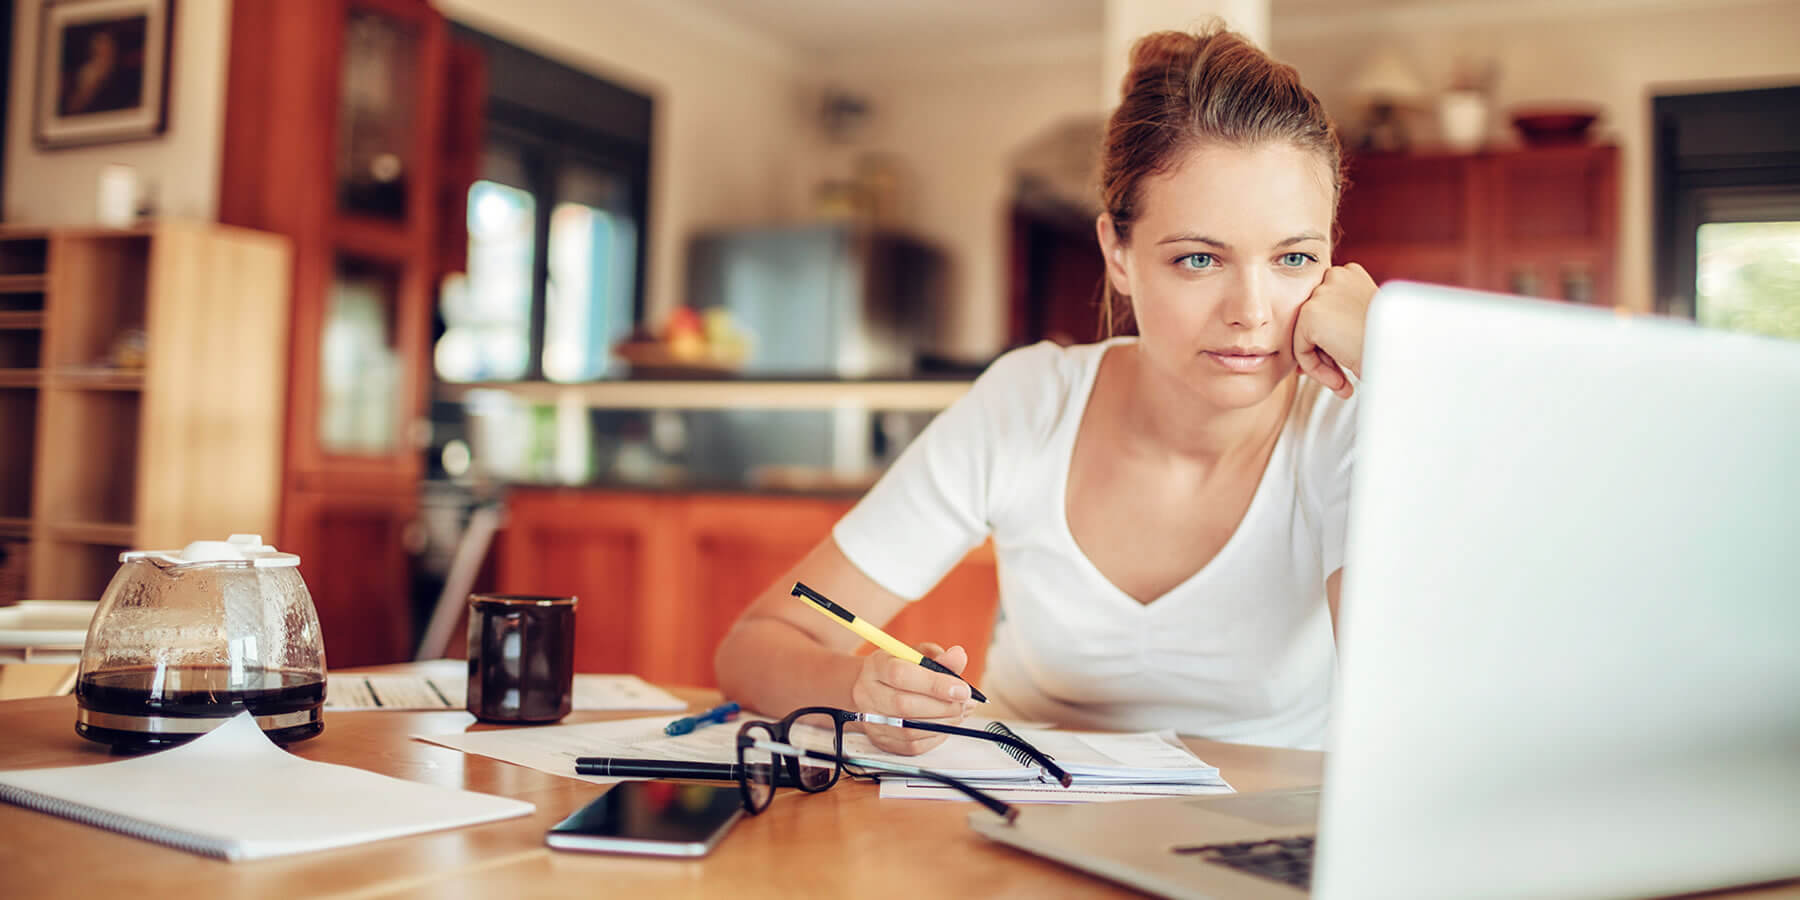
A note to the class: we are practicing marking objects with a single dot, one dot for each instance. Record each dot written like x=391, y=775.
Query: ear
x=1112, y=255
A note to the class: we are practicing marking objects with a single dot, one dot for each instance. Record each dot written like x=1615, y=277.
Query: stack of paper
x=1104, y=765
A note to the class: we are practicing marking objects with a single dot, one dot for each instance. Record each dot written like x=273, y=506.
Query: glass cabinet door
x=360, y=377
x=379, y=85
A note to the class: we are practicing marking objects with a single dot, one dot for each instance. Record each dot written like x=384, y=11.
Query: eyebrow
x=1190, y=237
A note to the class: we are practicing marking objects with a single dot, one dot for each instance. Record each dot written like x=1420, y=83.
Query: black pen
x=619, y=767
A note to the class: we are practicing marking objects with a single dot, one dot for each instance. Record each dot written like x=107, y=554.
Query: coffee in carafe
x=183, y=640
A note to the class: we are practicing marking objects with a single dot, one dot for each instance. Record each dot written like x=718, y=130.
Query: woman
x=1168, y=509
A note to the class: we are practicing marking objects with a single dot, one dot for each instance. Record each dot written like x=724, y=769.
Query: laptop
x=1570, y=637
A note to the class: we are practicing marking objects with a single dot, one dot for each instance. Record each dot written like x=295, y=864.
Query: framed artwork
x=103, y=71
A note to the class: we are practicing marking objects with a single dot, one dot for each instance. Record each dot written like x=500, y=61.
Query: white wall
x=727, y=105
x=954, y=124
x=57, y=187
x=1617, y=57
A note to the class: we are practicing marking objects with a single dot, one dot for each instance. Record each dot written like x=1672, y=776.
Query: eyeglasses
x=809, y=726
x=820, y=729
x=765, y=763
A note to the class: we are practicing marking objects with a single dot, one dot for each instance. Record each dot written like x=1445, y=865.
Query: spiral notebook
x=234, y=795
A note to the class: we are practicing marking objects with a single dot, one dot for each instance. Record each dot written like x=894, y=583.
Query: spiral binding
x=99, y=818
x=1012, y=751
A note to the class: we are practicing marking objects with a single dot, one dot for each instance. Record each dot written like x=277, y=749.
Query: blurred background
x=631, y=299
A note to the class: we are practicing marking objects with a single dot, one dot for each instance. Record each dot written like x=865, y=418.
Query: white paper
x=910, y=789
x=1091, y=757
x=553, y=748
x=236, y=791
x=1114, y=765
x=449, y=691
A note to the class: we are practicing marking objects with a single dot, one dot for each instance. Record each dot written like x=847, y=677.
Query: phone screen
x=663, y=818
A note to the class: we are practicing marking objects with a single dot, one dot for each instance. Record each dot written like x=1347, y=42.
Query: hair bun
x=1164, y=50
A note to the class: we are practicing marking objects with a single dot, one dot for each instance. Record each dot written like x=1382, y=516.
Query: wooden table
x=845, y=842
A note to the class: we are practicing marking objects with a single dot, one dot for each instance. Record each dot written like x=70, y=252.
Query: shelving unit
x=23, y=270
x=101, y=452
x=1540, y=221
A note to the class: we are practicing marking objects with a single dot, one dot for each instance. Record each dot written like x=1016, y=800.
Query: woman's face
x=1226, y=247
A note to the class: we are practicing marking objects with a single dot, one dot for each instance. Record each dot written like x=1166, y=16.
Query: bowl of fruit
x=690, y=344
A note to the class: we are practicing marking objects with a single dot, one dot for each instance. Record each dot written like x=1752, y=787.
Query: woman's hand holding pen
x=894, y=687
x=1328, y=331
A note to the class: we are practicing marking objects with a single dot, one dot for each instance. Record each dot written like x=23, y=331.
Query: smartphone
x=658, y=818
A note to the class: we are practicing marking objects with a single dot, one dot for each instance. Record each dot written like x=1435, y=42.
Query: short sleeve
x=1327, y=459
x=937, y=501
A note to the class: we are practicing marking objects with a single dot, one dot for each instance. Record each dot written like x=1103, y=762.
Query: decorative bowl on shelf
x=655, y=359
x=1551, y=126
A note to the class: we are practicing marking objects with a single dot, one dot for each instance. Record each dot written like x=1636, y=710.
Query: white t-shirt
x=1240, y=651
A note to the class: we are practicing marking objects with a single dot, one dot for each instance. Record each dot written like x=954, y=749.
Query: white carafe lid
x=237, y=548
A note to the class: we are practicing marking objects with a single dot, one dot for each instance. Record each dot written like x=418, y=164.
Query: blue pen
x=686, y=724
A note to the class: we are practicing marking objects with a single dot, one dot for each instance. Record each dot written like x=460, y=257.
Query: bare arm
x=779, y=655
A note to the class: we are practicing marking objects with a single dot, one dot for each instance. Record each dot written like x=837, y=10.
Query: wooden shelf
x=104, y=475
x=97, y=380
x=21, y=377
x=15, y=526
x=367, y=238
x=927, y=396
x=22, y=284
x=110, y=533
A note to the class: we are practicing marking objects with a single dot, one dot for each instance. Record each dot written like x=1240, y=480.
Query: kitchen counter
x=912, y=394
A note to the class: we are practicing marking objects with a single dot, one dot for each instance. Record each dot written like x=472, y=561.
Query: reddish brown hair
x=1185, y=89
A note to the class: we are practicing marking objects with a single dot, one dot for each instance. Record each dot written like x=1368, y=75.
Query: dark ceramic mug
x=521, y=657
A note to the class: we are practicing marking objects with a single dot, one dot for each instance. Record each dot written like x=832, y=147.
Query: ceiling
x=840, y=26
x=832, y=26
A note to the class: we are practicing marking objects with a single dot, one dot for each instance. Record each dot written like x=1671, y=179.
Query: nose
x=1247, y=305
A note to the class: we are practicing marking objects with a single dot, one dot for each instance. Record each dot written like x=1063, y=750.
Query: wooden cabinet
x=662, y=576
x=338, y=134
x=1537, y=221
x=371, y=529
x=140, y=377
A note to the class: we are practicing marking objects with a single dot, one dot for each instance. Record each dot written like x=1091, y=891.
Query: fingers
x=956, y=659
x=895, y=687
x=904, y=676
x=902, y=741
x=1328, y=372
x=1316, y=363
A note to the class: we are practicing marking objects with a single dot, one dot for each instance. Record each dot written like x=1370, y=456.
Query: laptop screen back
x=1570, y=645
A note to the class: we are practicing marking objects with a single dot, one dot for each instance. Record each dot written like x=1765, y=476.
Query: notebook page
x=912, y=789
x=234, y=794
x=449, y=690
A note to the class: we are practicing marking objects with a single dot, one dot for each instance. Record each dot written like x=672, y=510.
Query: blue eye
x=1197, y=261
x=1296, y=260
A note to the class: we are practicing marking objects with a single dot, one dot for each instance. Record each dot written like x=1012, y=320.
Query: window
x=555, y=226
x=487, y=313
x=592, y=276
x=1728, y=209
x=1749, y=277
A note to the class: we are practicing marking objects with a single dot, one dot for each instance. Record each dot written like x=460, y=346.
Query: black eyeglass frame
x=842, y=717
x=747, y=741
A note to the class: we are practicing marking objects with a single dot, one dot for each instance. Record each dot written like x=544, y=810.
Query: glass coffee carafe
x=183, y=640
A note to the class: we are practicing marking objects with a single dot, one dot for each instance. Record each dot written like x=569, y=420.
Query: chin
x=1237, y=391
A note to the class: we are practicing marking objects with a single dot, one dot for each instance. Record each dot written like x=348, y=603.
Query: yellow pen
x=874, y=635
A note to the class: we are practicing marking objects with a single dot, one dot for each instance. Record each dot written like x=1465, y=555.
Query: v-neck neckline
x=1066, y=469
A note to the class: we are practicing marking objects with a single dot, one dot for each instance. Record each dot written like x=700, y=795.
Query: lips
x=1236, y=360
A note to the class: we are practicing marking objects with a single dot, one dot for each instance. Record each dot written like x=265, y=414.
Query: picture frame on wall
x=103, y=71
